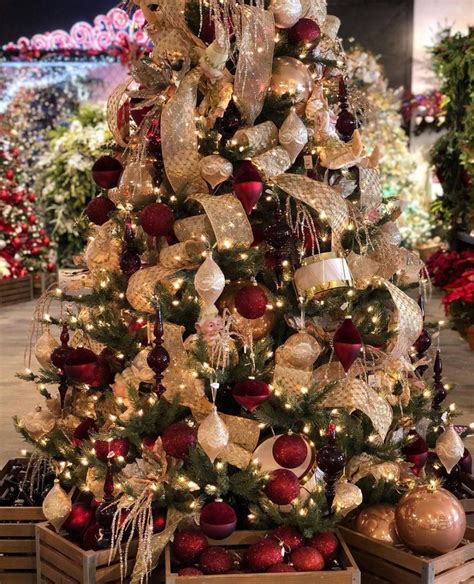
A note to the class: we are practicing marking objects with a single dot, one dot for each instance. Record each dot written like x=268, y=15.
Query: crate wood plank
x=383, y=569
x=55, y=541
x=17, y=546
x=21, y=514
x=19, y=578
x=56, y=577
x=17, y=563
x=23, y=530
x=56, y=559
x=454, y=558
x=457, y=575
x=103, y=557
x=112, y=573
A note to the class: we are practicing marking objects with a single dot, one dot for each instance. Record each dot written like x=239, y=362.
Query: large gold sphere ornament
x=378, y=522
x=430, y=520
x=291, y=77
x=258, y=327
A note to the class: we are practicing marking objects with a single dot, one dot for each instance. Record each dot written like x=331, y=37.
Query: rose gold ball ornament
x=378, y=522
x=430, y=520
x=286, y=12
x=290, y=76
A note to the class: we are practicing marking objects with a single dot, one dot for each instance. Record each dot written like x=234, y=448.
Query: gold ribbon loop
x=410, y=321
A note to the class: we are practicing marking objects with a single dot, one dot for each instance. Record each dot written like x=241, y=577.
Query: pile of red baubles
x=282, y=550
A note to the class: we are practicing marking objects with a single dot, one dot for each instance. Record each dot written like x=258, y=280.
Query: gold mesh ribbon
x=320, y=197
x=141, y=287
x=363, y=269
x=272, y=163
x=355, y=394
x=370, y=189
x=179, y=139
x=181, y=256
x=197, y=227
x=228, y=219
x=290, y=381
x=258, y=139
x=116, y=100
x=364, y=464
x=410, y=321
x=254, y=68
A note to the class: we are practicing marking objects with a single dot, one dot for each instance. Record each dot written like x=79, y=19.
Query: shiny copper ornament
x=378, y=522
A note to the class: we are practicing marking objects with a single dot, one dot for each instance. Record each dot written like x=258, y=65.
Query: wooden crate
x=16, y=290
x=467, y=481
x=242, y=539
x=17, y=540
x=42, y=281
x=60, y=561
x=381, y=563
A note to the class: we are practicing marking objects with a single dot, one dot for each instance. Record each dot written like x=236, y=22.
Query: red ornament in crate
x=289, y=537
x=290, y=450
x=264, y=554
x=178, y=439
x=106, y=172
x=79, y=520
x=416, y=452
x=251, y=301
x=190, y=572
x=326, y=543
x=307, y=559
x=347, y=343
x=283, y=487
x=218, y=520
x=188, y=544
x=280, y=568
x=250, y=393
x=248, y=185
x=99, y=209
x=216, y=560
x=91, y=538
x=157, y=220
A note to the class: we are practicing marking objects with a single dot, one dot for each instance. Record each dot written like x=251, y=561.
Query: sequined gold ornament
x=57, y=506
x=45, y=345
x=209, y=282
x=430, y=520
x=215, y=169
x=449, y=448
x=213, y=435
x=291, y=77
x=38, y=423
x=300, y=351
x=293, y=135
x=286, y=12
x=348, y=497
x=378, y=522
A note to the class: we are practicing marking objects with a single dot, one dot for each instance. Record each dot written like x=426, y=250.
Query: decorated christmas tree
x=238, y=349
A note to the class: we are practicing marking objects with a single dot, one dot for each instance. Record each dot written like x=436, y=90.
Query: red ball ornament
x=106, y=172
x=79, y=520
x=305, y=32
x=290, y=451
x=347, y=343
x=289, y=536
x=32, y=219
x=279, y=568
x=83, y=432
x=178, y=438
x=326, y=543
x=107, y=449
x=190, y=572
x=31, y=197
x=159, y=520
x=10, y=174
x=416, y=452
x=250, y=393
x=307, y=559
x=84, y=366
x=218, y=520
x=263, y=555
x=248, y=186
x=99, y=210
x=157, y=220
x=188, y=544
x=251, y=302
x=91, y=538
x=283, y=487
x=216, y=560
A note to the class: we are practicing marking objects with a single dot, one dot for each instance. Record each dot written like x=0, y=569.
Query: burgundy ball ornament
x=106, y=172
x=157, y=220
x=280, y=568
x=416, y=452
x=290, y=451
x=305, y=32
x=250, y=393
x=347, y=343
x=99, y=210
x=108, y=449
x=217, y=520
x=251, y=302
x=79, y=520
x=289, y=537
x=264, y=554
x=91, y=538
x=307, y=559
x=83, y=432
x=190, y=572
x=178, y=438
x=216, y=560
x=188, y=544
x=84, y=366
x=326, y=543
x=283, y=487
x=248, y=185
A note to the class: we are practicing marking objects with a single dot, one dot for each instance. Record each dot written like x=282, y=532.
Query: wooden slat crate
x=16, y=290
x=241, y=539
x=60, y=561
x=381, y=563
x=17, y=540
x=42, y=281
x=467, y=481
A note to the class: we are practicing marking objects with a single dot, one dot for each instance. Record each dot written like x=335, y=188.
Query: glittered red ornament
x=217, y=520
x=83, y=432
x=305, y=32
x=106, y=172
x=250, y=393
x=307, y=559
x=289, y=536
x=416, y=452
x=157, y=220
x=79, y=520
x=84, y=366
x=99, y=210
x=91, y=538
x=280, y=568
x=178, y=438
x=216, y=560
x=190, y=572
x=251, y=302
x=107, y=449
x=263, y=555
x=326, y=543
x=283, y=487
x=290, y=450
x=188, y=544
x=248, y=185
x=347, y=343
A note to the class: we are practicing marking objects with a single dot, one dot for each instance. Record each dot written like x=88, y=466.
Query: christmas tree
x=238, y=348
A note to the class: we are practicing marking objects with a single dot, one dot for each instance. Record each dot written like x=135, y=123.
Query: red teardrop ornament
x=248, y=186
x=347, y=343
x=250, y=393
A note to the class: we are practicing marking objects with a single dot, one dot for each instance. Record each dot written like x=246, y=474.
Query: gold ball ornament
x=300, y=351
x=215, y=169
x=286, y=12
x=378, y=522
x=430, y=520
x=290, y=76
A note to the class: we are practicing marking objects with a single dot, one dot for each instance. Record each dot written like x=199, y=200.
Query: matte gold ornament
x=300, y=351
x=57, y=506
x=348, y=497
x=45, y=345
x=291, y=77
x=293, y=135
x=38, y=423
x=286, y=12
x=378, y=522
x=449, y=448
x=209, y=281
x=213, y=435
x=215, y=169
x=430, y=520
